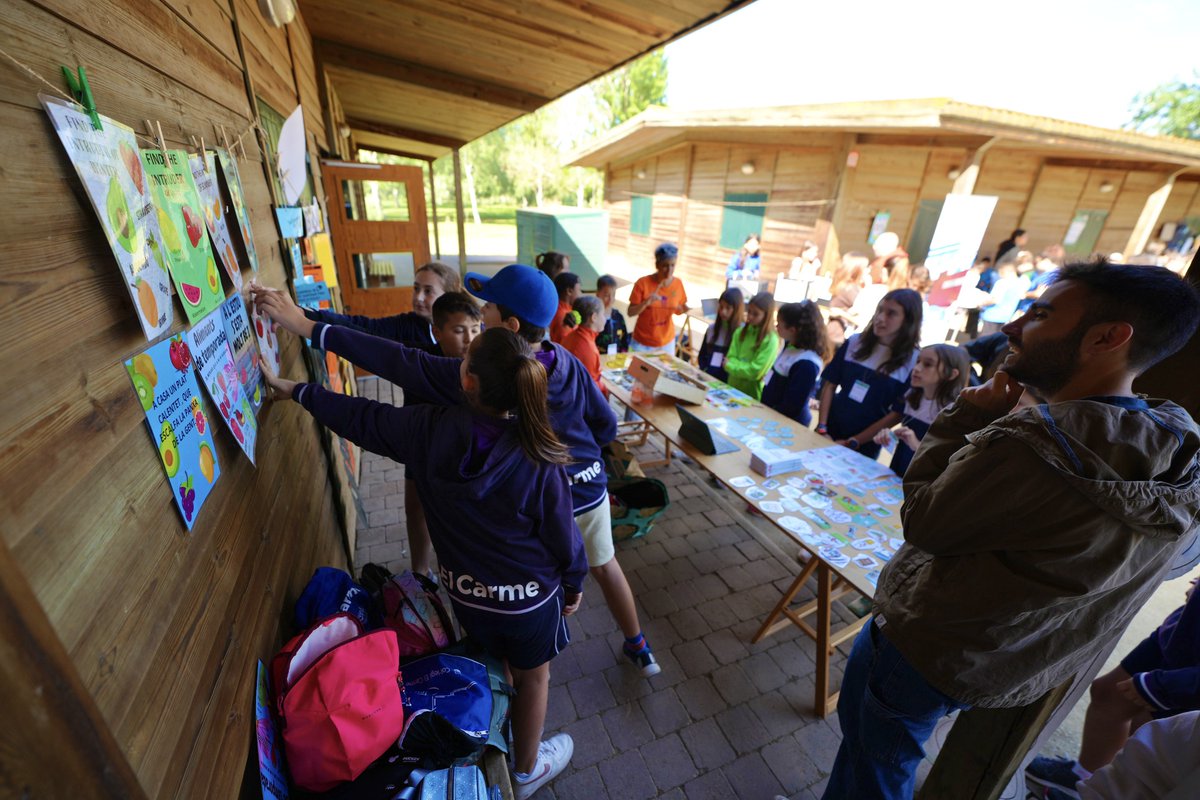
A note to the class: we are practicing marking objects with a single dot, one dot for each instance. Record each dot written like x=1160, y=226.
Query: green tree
x=626, y=92
x=1171, y=109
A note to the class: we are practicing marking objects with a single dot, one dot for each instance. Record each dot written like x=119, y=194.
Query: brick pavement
x=725, y=718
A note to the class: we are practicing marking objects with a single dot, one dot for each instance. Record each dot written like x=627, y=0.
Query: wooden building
x=705, y=179
x=129, y=645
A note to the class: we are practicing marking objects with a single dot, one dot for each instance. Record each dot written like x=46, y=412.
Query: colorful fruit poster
x=268, y=344
x=204, y=174
x=271, y=773
x=183, y=241
x=239, y=333
x=110, y=167
x=237, y=198
x=163, y=379
x=214, y=361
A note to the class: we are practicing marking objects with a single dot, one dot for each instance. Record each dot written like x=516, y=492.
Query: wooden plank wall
x=162, y=627
x=1008, y=175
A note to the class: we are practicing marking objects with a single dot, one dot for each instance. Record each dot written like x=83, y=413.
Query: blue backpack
x=454, y=687
x=331, y=591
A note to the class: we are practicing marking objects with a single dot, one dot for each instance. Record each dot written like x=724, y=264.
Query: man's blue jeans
x=887, y=712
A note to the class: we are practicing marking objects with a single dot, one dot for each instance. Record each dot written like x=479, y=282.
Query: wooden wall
x=156, y=630
x=1036, y=191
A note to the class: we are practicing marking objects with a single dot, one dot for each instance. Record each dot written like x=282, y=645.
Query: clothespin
x=82, y=92
x=225, y=140
x=162, y=143
x=203, y=156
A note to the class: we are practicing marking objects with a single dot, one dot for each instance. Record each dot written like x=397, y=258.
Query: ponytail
x=512, y=379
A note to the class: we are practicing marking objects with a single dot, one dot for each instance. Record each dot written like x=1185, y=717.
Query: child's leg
x=529, y=713
x=618, y=596
x=420, y=547
x=1106, y=725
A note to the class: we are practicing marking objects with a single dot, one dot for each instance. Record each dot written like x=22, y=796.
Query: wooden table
x=832, y=582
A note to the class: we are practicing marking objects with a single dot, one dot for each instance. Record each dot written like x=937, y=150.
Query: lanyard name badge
x=858, y=392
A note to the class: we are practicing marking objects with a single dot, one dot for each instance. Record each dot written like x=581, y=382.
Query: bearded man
x=1032, y=535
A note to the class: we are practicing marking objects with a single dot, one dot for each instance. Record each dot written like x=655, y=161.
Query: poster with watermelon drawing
x=166, y=386
x=184, y=242
x=110, y=168
x=214, y=361
x=245, y=351
x=204, y=175
x=237, y=199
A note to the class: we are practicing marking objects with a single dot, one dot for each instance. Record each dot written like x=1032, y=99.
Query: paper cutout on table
x=863, y=519
x=884, y=555
x=836, y=516
x=790, y=505
x=833, y=556
x=825, y=491
x=798, y=483
x=789, y=491
x=865, y=561
x=271, y=773
x=755, y=493
x=184, y=239
x=865, y=543
x=743, y=420
x=815, y=500
x=770, y=425
x=755, y=422
x=213, y=359
x=110, y=167
x=826, y=540
x=890, y=497
x=726, y=398
x=878, y=510
x=771, y=483
x=310, y=293
x=873, y=577
x=291, y=221
x=786, y=430
x=237, y=199
x=895, y=543
x=770, y=507
x=816, y=518
x=795, y=525
x=204, y=174
x=166, y=386
x=847, y=504
x=786, y=442
x=741, y=481
x=245, y=353
x=843, y=466
x=293, y=157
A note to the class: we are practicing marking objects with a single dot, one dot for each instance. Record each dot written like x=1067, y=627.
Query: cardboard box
x=662, y=379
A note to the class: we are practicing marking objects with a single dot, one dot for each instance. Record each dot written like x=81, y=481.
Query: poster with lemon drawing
x=184, y=242
x=166, y=386
x=213, y=358
x=204, y=174
x=110, y=167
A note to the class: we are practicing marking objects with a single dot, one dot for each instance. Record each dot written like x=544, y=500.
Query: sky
x=1079, y=61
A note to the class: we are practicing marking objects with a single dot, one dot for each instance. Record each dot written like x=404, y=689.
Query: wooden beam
x=395, y=69
x=392, y=152
x=437, y=239
x=461, y=214
x=965, y=182
x=53, y=736
x=1148, y=219
x=399, y=132
x=835, y=213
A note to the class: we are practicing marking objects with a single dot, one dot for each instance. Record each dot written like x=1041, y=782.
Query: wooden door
x=379, y=231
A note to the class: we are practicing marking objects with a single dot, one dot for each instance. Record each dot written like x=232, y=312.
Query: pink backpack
x=412, y=608
x=338, y=697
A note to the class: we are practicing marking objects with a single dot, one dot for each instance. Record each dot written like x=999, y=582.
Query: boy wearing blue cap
x=523, y=300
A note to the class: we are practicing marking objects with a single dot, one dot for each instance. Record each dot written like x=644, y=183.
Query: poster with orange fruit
x=108, y=163
x=213, y=358
x=237, y=199
x=204, y=174
x=183, y=241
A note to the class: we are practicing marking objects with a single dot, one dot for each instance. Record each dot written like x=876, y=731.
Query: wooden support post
x=458, y=207
x=437, y=240
x=824, y=590
x=835, y=214
x=985, y=748
x=1148, y=219
x=965, y=182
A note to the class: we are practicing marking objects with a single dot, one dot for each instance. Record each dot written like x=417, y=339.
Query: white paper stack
x=771, y=461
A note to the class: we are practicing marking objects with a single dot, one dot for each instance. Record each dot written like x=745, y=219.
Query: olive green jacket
x=1032, y=539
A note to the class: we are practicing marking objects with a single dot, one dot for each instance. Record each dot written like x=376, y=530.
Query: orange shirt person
x=580, y=341
x=567, y=286
x=655, y=300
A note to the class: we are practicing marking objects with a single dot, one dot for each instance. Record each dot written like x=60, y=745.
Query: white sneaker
x=553, y=756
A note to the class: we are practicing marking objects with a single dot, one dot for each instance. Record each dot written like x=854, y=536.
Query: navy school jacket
x=1175, y=686
x=408, y=328
x=579, y=413
x=501, y=524
x=864, y=394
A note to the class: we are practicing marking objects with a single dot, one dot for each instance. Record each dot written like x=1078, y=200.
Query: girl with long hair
x=754, y=346
x=941, y=372
x=794, y=377
x=718, y=337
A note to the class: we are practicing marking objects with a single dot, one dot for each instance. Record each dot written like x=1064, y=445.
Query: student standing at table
x=869, y=371
x=655, y=300
x=615, y=336
x=580, y=341
x=794, y=377
x=567, y=286
x=941, y=372
x=718, y=337
x=754, y=346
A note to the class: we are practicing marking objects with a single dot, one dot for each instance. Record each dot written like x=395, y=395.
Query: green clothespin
x=82, y=93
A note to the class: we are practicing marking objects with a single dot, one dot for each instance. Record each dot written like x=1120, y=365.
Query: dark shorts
x=526, y=640
x=1146, y=657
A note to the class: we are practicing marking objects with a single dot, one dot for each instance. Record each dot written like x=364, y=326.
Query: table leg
x=823, y=702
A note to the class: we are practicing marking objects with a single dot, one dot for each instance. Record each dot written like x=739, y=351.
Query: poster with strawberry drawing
x=166, y=386
x=204, y=175
x=110, y=167
x=268, y=343
x=184, y=241
x=237, y=199
x=214, y=361
x=245, y=352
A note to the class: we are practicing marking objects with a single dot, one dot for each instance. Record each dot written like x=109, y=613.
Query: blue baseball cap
x=523, y=290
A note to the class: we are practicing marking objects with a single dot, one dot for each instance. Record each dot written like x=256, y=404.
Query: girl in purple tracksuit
x=498, y=505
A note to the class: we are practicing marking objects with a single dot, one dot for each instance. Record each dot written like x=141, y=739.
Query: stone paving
x=725, y=718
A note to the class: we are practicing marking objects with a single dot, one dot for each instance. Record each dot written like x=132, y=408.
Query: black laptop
x=698, y=434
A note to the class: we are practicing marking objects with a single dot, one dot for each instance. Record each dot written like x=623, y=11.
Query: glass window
x=383, y=270
x=376, y=201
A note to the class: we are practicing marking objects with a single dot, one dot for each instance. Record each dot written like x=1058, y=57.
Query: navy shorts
x=1146, y=657
x=525, y=640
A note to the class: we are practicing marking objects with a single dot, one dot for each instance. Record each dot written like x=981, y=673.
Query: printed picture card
x=204, y=174
x=214, y=361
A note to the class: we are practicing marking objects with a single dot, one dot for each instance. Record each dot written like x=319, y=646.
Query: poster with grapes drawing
x=166, y=386
x=110, y=167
